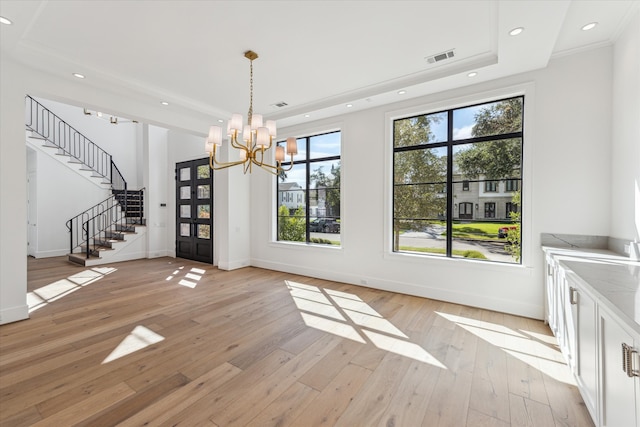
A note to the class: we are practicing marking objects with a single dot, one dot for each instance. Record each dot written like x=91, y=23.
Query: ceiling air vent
x=440, y=57
x=279, y=104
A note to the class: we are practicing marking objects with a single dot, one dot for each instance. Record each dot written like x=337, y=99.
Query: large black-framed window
x=308, y=195
x=443, y=164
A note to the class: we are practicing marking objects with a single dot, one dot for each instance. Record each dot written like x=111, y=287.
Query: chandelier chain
x=250, y=92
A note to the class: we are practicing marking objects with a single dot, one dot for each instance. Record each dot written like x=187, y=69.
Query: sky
x=329, y=144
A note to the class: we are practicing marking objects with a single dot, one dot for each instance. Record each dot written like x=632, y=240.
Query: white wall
x=156, y=152
x=625, y=152
x=13, y=200
x=233, y=208
x=566, y=190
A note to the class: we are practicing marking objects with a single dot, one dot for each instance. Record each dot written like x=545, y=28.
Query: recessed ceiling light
x=220, y=121
x=164, y=103
x=402, y=92
x=307, y=116
x=589, y=26
x=78, y=75
x=349, y=105
x=516, y=31
x=5, y=21
x=472, y=74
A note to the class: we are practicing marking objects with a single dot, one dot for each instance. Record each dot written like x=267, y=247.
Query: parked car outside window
x=504, y=231
x=324, y=225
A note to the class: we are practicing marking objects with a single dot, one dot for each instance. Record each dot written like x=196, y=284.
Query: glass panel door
x=194, y=203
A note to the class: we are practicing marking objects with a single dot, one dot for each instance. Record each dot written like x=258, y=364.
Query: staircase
x=99, y=234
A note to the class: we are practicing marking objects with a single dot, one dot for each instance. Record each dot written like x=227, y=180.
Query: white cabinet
x=600, y=348
x=585, y=369
x=620, y=396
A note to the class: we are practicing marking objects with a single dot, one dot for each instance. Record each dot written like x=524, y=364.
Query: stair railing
x=72, y=143
x=89, y=228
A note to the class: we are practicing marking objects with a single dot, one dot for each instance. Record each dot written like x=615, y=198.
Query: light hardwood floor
x=174, y=342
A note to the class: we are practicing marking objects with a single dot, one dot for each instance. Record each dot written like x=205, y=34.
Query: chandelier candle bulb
x=246, y=133
x=256, y=121
x=215, y=135
x=292, y=146
x=271, y=125
x=236, y=122
x=262, y=138
x=208, y=146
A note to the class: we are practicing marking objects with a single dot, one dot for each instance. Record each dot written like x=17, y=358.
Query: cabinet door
x=586, y=363
x=567, y=318
x=618, y=398
x=550, y=294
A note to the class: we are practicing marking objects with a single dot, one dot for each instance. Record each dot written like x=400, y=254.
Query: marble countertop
x=613, y=279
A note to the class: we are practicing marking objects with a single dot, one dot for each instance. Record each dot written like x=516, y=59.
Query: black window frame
x=309, y=160
x=449, y=144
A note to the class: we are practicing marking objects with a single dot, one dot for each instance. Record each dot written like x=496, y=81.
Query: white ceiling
x=316, y=56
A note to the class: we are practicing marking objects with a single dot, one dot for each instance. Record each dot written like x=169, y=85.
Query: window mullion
x=307, y=197
x=449, y=216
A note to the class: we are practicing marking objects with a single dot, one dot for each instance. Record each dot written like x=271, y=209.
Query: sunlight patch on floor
x=54, y=291
x=331, y=326
x=536, y=350
x=188, y=279
x=138, y=339
x=346, y=315
x=403, y=348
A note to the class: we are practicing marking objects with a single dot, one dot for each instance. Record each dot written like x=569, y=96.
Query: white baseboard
x=487, y=302
x=52, y=253
x=14, y=314
x=234, y=265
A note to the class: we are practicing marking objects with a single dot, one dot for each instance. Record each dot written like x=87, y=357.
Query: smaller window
x=490, y=186
x=511, y=207
x=512, y=185
x=465, y=185
x=490, y=210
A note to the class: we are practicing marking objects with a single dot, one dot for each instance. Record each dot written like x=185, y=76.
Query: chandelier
x=252, y=140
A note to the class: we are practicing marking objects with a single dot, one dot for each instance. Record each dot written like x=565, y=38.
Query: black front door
x=194, y=208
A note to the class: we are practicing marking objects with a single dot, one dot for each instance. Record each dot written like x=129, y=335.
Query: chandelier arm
x=271, y=169
x=234, y=142
x=264, y=165
x=270, y=143
x=261, y=151
x=278, y=167
x=221, y=165
x=287, y=169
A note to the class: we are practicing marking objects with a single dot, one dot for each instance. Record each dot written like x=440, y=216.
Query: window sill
x=469, y=263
